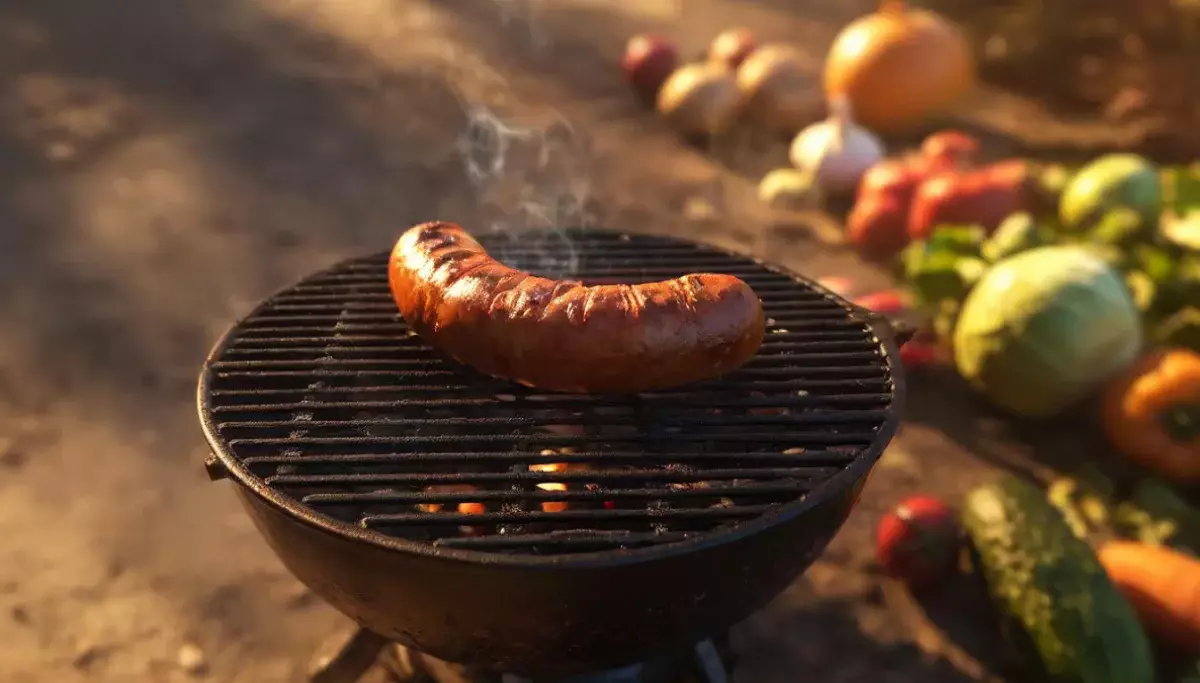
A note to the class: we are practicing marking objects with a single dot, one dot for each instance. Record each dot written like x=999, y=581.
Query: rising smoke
x=531, y=177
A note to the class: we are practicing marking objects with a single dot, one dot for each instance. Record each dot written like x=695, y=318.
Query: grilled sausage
x=561, y=335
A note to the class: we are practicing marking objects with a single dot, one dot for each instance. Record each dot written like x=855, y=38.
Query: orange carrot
x=1163, y=586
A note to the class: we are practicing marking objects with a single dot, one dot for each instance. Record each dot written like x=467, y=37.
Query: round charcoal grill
x=534, y=532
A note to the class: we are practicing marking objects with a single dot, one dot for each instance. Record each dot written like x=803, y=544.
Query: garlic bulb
x=836, y=151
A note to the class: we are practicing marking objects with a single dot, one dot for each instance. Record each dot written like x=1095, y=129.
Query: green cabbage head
x=1043, y=328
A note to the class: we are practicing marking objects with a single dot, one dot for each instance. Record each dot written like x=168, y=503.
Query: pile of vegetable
x=1046, y=287
x=889, y=71
x=1089, y=586
x=736, y=81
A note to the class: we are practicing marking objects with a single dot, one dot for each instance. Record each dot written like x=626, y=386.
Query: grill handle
x=900, y=331
x=215, y=468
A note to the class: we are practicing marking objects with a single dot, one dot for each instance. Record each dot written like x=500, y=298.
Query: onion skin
x=837, y=151
x=700, y=100
x=732, y=47
x=779, y=93
x=898, y=67
x=647, y=63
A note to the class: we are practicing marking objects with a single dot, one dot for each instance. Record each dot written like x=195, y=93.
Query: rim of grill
x=323, y=404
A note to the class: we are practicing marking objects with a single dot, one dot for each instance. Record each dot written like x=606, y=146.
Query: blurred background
x=166, y=164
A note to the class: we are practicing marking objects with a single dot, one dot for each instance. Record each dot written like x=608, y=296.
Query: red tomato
x=950, y=148
x=918, y=541
x=877, y=226
x=885, y=302
x=842, y=286
x=896, y=177
x=917, y=353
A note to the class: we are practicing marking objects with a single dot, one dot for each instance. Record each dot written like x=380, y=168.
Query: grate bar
x=350, y=306
x=658, y=475
x=695, y=436
x=359, y=295
x=849, y=388
x=392, y=317
x=812, y=458
x=831, y=417
x=358, y=286
x=580, y=495
x=313, y=404
x=848, y=377
x=394, y=327
x=790, y=360
x=590, y=540
x=429, y=355
x=592, y=516
x=408, y=341
x=751, y=274
x=611, y=264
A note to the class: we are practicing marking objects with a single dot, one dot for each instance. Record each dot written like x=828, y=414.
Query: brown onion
x=648, y=62
x=700, y=99
x=779, y=89
x=732, y=47
x=899, y=66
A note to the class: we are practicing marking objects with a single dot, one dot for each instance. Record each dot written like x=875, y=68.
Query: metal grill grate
x=325, y=396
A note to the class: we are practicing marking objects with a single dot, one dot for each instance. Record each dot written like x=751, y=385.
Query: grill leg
x=352, y=661
x=407, y=666
x=707, y=664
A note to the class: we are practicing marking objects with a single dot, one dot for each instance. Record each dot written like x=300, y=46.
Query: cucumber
x=1049, y=583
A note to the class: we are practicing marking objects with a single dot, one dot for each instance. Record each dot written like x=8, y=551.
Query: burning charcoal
x=553, y=468
x=463, y=508
x=554, y=505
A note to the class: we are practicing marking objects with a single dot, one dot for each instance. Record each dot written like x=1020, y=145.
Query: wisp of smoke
x=519, y=14
x=533, y=179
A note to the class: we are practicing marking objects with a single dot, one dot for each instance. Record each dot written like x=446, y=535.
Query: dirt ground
x=165, y=164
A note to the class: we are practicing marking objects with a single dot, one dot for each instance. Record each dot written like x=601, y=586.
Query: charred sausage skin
x=562, y=335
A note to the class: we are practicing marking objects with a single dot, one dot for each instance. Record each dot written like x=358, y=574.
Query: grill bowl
x=699, y=506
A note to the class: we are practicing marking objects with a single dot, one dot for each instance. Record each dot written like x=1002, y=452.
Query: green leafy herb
x=1019, y=232
x=959, y=239
x=946, y=265
x=1119, y=226
x=938, y=278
